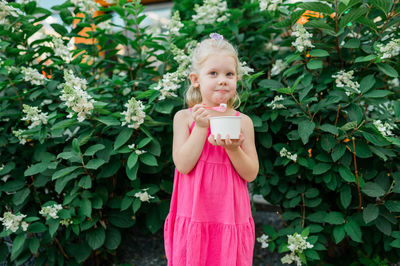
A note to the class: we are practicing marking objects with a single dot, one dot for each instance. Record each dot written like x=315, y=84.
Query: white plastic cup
x=225, y=125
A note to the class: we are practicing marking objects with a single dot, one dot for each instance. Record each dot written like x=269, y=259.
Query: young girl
x=210, y=220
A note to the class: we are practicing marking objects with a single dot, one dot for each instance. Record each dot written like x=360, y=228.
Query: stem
x=61, y=248
x=386, y=194
x=337, y=30
x=301, y=107
x=16, y=91
x=283, y=221
x=303, y=210
x=356, y=171
x=337, y=115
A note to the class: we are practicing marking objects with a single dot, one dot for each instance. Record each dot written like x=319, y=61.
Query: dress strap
x=237, y=113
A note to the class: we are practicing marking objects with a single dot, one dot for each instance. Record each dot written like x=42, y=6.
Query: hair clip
x=216, y=36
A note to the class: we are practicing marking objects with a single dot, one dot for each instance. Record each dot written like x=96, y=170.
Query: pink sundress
x=210, y=222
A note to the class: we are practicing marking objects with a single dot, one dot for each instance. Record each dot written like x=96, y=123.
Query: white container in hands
x=225, y=125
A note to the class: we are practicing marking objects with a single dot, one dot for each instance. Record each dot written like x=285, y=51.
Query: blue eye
x=230, y=74
x=213, y=73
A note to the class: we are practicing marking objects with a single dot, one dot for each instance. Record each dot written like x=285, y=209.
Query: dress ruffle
x=186, y=242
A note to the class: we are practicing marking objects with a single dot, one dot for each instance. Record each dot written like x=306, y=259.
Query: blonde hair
x=200, y=54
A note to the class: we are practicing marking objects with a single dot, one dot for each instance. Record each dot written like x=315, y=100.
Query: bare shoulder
x=246, y=120
x=183, y=117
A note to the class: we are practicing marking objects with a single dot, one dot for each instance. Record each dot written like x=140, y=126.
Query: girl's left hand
x=227, y=143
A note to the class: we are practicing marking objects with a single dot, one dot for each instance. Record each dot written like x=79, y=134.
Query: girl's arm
x=242, y=152
x=187, y=148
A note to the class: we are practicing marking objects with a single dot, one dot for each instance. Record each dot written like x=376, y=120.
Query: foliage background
x=341, y=187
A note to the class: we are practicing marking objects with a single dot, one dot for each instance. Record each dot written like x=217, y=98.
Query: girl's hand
x=201, y=116
x=227, y=143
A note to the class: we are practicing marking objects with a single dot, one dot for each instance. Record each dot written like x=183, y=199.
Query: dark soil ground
x=140, y=249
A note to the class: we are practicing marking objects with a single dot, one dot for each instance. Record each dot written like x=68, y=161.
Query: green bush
x=326, y=139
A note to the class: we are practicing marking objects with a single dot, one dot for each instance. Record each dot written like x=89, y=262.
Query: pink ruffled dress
x=210, y=220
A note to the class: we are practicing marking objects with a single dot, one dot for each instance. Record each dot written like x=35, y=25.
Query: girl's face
x=217, y=79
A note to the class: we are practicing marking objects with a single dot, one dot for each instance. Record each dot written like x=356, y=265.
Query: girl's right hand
x=201, y=116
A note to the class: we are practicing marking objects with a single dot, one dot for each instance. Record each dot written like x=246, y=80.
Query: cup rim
x=227, y=116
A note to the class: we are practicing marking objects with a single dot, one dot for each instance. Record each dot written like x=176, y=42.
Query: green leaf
x=329, y=128
x=378, y=140
x=34, y=245
x=126, y=203
x=334, y=218
x=93, y=149
x=393, y=205
x=321, y=168
x=63, y=172
x=311, y=254
x=319, y=53
x=352, y=43
x=384, y=5
x=312, y=193
x=54, y=224
x=96, y=237
x=108, y=120
x=94, y=163
x=314, y=64
x=21, y=196
x=338, y=233
x=367, y=83
x=136, y=205
x=37, y=227
x=60, y=29
x=270, y=83
x=316, y=6
x=292, y=169
x=306, y=128
x=85, y=182
x=123, y=137
x=370, y=213
x=36, y=168
x=338, y=151
x=148, y=159
x=345, y=196
x=353, y=230
x=352, y=16
x=349, y=125
x=384, y=226
x=76, y=146
x=395, y=243
x=373, y=190
x=113, y=238
x=378, y=94
x=165, y=107
x=285, y=90
x=388, y=70
x=17, y=245
x=86, y=207
x=367, y=58
x=346, y=174
x=122, y=219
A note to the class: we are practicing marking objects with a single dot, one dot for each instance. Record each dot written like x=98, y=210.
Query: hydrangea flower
x=393, y=83
x=138, y=152
x=65, y=52
x=275, y=105
x=278, y=67
x=86, y=6
x=303, y=38
x=344, y=80
x=244, y=70
x=175, y=24
x=13, y=222
x=33, y=75
x=75, y=97
x=285, y=153
x=263, y=239
x=143, y=195
x=66, y=222
x=51, y=211
x=7, y=10
x=384, y=128
x=210, y=11
x=296, y=244
x=389, y=50
x=34, y=115
x=19, y=134
x=291, y=258
x=134, y=115
x=270, y=5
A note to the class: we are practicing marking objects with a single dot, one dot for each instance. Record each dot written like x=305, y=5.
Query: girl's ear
x=194, y=80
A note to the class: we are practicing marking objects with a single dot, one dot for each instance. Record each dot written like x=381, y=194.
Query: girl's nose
x=222, y=82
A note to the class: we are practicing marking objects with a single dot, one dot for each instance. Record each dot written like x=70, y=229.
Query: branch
x=356, y=171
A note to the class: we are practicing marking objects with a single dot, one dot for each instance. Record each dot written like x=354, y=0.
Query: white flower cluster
x=244, y=69
x=170, y=82
x=33, y=75
x=19, y=134
x=75, y=96
x=275, y=105
x=65, y=52
x=106, y=26
x=278, y=67
x=210, y=11
x=344, y=80
x=384, y=128
x=175, y=24
x=297, y=244
x=13, y=222
x=138, y=152
x=303, y=39
x=270, y=46
x=390, y=49
x=134, y=114
x=270, y=5
x=51, y=210
x=263, y=240
x=143, y=195
x=66, y=222
x=284, y=153
x=7, y=10
x=87, y=6
x=394, y=83
x=34, y=115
